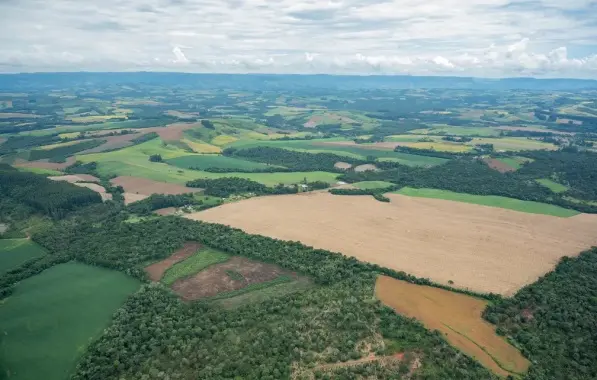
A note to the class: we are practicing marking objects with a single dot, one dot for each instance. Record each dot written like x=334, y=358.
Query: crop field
x=52, y=317
x=157, y=270
x=264, y=293
x=201, y=147
x=214, y=161
x=147, y=187
x=458, y=131
x=553, y=186
x=370, y=185
x=458, y=318
x=491, y=200
x=234, y=277
x=44, y=164
x=513, y=143
x=514, y=162
x=487, y=249
x=14, y=252
x=46, y=172
x=193, y=264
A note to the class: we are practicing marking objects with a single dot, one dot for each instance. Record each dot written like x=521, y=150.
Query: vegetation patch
x=157, y=270
x=373, y=185
x=51, y=318
x=202, y=162
x=458, y=317
x=193, y=264
x=15, y=252
x=552, y=185
x=491, y=200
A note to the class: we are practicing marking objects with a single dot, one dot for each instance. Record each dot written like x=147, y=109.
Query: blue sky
x=490, y=38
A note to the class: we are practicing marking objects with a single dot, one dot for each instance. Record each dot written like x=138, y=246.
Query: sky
x=486, y=38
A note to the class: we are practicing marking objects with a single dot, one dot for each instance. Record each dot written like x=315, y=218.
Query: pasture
x=52, y=317
x=552, y=185
x=206, y=161
x=492, y=201
x=15, y=252
x=486, y=249
x=458, y=317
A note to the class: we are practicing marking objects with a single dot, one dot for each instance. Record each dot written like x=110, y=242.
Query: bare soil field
x=166, y=211
x=132, y=198
x=214, y=280
x=486, y=249
x=498, y=165
x=342, y=165
x=45, y=164
x=146, y=186
x=73, y=178
x=157, y=270
x=97, y=188
x=365, y=168
x=173, y=132
x=458, y=317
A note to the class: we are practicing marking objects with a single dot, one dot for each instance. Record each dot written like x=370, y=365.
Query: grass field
x=42, y=171
x=253, y=288
x=491, y=200
x=553, y=186
x=369, y=185
x=458, y=131
x=201, y=147
x=513, y=162
x=59, y=145
x=134, y=161
x=513, y=143
x=52, y=317
x=214, y=161
x=263, y=294
x=458, y=317
x=199, y=261
x=14, y=252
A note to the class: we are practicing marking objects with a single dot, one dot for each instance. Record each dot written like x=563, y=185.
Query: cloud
x=549, y=38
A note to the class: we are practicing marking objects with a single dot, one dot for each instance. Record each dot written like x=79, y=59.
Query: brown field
x=457, y=317
x=45, y=164
x=10, y=115
x=173, y=132
x=157, y=270
x=213, y=280
x=97, y=188
x=365, y=168
x=166, y=211
x=72, y=178
x=146, y=186
x=486, y=249
x=132, y=198
x=498, y=165
x=342, y=165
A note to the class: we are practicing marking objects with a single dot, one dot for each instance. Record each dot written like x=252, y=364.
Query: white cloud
x=484, y=37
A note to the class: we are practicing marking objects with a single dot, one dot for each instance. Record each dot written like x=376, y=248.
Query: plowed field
x=486, y=249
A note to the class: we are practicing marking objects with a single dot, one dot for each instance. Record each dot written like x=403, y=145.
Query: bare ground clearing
x=173, y=132
x=166, y=211
x=97, y=188
x=73, y=178
x=146, y=186
x=342, y=165
x=157, y=270
x=498, y=165
x=486, y=249
x=365, y=168
x=214, y=280
x=45, y=164
x=132, y=198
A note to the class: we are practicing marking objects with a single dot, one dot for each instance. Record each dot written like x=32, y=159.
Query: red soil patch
x=173, y=132
x=45, y=164
x=498, y=165
x=146, y=186
x=166, y=211
x=214, y=279
x=157, y=270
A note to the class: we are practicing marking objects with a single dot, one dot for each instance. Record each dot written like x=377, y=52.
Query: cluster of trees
x=296, y=161
x=156, y=158
x=227, y=186
x=553, y=320
x=470, y=176
x=52, y=198
x=63, y=151
x=158, y=201
x=16, y=143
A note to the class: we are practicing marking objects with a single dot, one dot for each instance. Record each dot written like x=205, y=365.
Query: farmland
x=491, y=200
x=203, y=162
x=42, y=326
x=193, y=264
x=15, y=252
x=459, y=319
x=411, y=233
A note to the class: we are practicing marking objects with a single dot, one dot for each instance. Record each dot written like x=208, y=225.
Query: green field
x=196, y=263
x=358, y=152
x=370, y=185
x=207, y=161
x=14, y=252
x=134, y=161
x=252, y=288
x=458, y=131
x=263, y=294
x=48, y=172
x=52, y=317
x=491, y=200
x=553, y=186
x=513, y=162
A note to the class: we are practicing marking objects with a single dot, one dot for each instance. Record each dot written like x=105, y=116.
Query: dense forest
x=52, y=198
x=554, y=320
x=297, y=161
x=158, y=201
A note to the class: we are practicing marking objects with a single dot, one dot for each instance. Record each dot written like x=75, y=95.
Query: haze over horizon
x=490, y=38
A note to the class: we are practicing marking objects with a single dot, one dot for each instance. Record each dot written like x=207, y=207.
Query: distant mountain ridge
x=273, y=81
